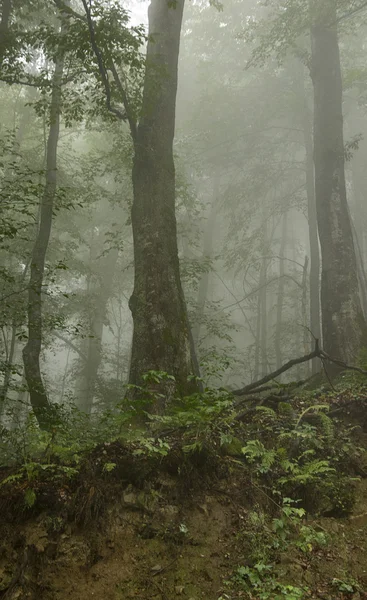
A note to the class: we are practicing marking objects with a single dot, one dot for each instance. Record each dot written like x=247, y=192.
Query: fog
x=269, y=197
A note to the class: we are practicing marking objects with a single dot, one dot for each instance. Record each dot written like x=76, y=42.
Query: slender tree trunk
x=161, y=337
x=8, y=367
x=100, y=295
x=314, y=322
x=20, y=404
x=257, y=336
x=343, y=324
x=32, y=350
x=263, y=301
x=207, y=255
x=306, y=339
x=280, y=298
x=65, y=375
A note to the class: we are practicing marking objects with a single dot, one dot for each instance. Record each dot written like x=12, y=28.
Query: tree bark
x=313, y=236
x=207, y=255
x=32, y=350
x=4, y=27
x=100, y=294
x=343, y=325
x=280, y=298
x=161, y=338
x=263, y=297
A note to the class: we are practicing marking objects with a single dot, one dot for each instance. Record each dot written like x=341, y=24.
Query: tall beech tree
x=161, y=335
x=161, y=339
x=344, y=328
x=343, y=324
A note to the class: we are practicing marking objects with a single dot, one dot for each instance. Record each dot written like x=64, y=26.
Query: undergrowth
x=294, y=458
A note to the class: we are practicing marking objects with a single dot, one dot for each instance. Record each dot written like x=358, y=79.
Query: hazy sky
x=139, y=10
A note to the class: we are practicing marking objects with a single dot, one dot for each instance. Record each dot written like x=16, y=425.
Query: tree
x=32, y=350
x=343, y=324
x=161, y=336
x=4, y=26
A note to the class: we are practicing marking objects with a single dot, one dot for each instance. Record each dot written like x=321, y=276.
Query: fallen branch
x=341, y=363
x=291, y=363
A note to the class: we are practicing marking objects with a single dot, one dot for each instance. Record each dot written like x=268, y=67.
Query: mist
x=254, y=232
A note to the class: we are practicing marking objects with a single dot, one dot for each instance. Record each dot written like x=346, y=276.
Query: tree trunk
x=207, y=255
x=306, y=338
x=8, y=367
x=100, y=295
x=344, y=327
x=263, y=301
x=280, y=298
x=161, y=338
x=31, y=352
x=4, y=27
x=315, y=325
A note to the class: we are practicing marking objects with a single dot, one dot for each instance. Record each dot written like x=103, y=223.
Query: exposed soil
x=161, y=539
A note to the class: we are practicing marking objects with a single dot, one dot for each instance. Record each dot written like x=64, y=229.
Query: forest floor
x=165, y=527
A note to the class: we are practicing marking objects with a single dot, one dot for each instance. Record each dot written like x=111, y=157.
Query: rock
x=156, y=568
x=179, y=589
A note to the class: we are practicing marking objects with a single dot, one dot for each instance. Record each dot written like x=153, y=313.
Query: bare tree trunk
x=161, y=338
x=65, y=375
x=280, y=298
x=314, y=322
x=207, y=255
x=263, y=302
x=8, y=367
x=358, y=237
x=101, y=290
x=343, y=324
x=20, y=404
x=306, y=339
x=257, y=336
x=31, y=352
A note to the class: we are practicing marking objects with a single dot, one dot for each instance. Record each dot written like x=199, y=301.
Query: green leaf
x=30, y=497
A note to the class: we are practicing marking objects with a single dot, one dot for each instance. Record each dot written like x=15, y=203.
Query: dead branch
x=291, y=363
x=341, y=363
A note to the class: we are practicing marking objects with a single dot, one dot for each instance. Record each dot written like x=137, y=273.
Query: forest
x=183, y=299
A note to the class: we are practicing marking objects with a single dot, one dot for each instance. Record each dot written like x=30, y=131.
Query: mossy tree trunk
x=343, y=325
x=161, y=339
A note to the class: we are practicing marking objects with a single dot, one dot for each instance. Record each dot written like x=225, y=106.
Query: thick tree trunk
x=280, y=297
x=161, y=338
x=32, y=350
x=344, y=327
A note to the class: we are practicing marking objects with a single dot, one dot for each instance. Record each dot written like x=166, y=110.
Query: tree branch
x=295, y=361
x=70, y=344
x=123, y=116
x=69, y=11
x=352, y=12
x=317, y=353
